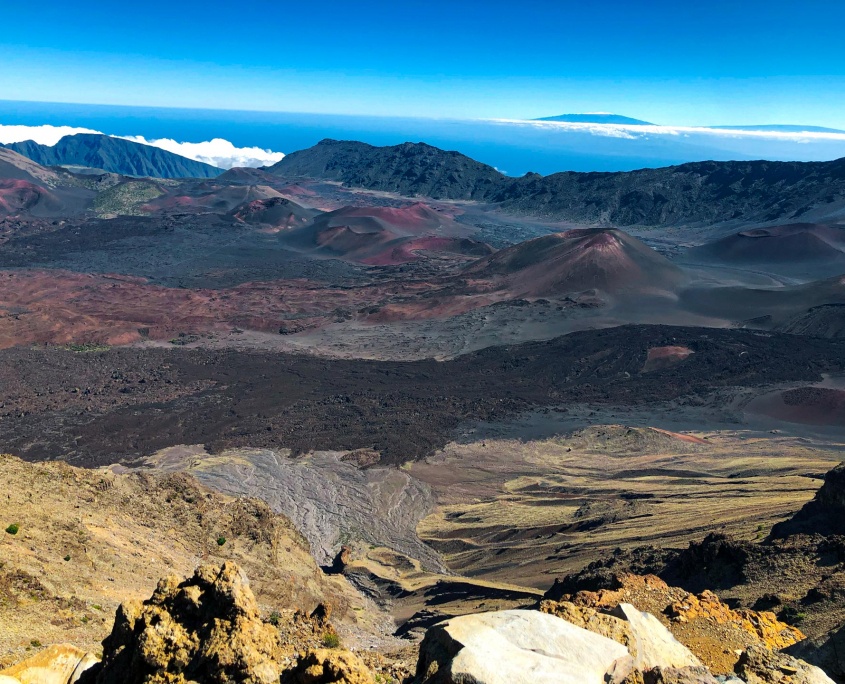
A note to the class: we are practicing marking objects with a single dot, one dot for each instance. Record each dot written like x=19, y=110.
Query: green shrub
x=331, y=640
x=275, y=618
x=35, y=643
x=13, y=528
x=221, y=540
x=67, y=558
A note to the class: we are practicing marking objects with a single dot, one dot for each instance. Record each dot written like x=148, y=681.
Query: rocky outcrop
x=758, y=665
x=771, y=632
x=325, y=666
x=825, y=514
x=711, y=630
x=206, y=628
x=518, y=647
x=57, y=664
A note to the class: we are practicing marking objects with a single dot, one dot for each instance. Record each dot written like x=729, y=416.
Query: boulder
x=518, y=647
x=758, y=665
x=57, y=664
x=324, y=666
x=593, y=621
x=206, y=628
x=6, y=679
x=653, y=645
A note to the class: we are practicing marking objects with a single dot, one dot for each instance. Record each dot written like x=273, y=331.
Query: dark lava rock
x=824, y=515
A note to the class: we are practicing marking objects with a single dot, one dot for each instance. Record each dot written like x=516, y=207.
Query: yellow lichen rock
x=771, y=632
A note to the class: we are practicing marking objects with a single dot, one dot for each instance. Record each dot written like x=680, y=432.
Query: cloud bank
x=632, y=132
x=217, y=152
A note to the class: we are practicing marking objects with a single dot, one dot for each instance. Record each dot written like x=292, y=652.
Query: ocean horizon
x=514, y=147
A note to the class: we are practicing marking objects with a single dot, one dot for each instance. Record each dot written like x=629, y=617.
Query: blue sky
x=680, y=63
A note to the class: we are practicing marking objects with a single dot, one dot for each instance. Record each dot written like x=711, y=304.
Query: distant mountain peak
x=596, y=118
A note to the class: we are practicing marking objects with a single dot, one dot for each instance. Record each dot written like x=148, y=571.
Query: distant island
x=599, y=118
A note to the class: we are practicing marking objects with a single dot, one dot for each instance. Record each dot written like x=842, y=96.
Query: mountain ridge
x=115, y=155
x=707, y=192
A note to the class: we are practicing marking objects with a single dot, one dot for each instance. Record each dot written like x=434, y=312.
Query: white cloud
x=632, y=131
x=43, y=135
x=217, y=152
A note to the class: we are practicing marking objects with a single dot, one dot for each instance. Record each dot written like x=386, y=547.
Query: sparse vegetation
x=87, y=347
x=14, y=528
x=221, y=540
x=35, y=643
x=125, y=198
x=275, y=618
x=331, y=640
x=67, y=558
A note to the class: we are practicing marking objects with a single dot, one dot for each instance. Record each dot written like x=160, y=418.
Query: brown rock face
x=323, y=666
x=206, y=629
x=758, y=665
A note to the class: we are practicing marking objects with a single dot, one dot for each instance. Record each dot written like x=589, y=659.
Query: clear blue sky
x=685, y=63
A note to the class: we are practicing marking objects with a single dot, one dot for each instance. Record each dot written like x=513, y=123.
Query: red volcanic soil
x=805, y=242
x=381, y=236
x=277, y=212
x=578, y=260
x=416, y=218
x=60, y=307
x=692, y=439
x=20, y=195
x=414, y=249
x=805, y=405
x=665, y=357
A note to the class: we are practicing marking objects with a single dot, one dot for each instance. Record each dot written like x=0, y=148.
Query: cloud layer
x=217, y=152
x=633, y=132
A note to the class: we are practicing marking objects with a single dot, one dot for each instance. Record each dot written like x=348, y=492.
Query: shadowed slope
x=790, y=247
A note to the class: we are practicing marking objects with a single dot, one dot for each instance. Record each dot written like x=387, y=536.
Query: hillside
x=579, y=260
x=689, y=194
x=115, y=155
x=409, y=169
x=88, y=540
x=384, y=235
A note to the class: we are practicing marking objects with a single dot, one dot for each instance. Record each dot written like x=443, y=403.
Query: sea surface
x=513, y=147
